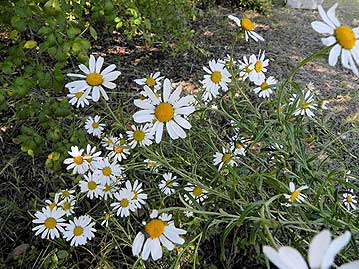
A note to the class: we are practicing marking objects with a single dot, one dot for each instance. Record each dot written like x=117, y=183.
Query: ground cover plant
x=246, y=158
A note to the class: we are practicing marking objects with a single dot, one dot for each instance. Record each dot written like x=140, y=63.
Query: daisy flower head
x=248, y=26
x=55, y=203
x=92, y=156
x=66, y=194
x=119, y=149
x=321, y=254
x=106, y=219
x=349, y=200
x=196, y=192
x=79, y=98
x=168, y=111
x=80, y=230
x=245, y=68
x=140, y=135
x=138, y=197
x=95, y=80
x=107, y=171
x=159, y=231
x=49, y=222
x=153, y=80
x=91, y=185
x=77, y=162
x=304, y=104
x=239, y=146
x=108, y=190
x=226, y=157
x=152, y=165
x=295, y=195
x=68, y=206
x=217, y=77
x=108, y=142
x=168, y=184
x=266, y=87
x=124, y=204
x=343, y=38
x=229, y=61
x=258, y=68
x=93, y=126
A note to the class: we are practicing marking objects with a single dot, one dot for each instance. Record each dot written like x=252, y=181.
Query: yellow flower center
x=247, y=24
x=95, y=125
x=66, y=206
x=226, y=158
x=345, y=37
x=239, y=146
x=197, y=191
x=78, y=160
x=106, y=171
x=122, y=141
x=152, y=164
x=107, y=217
x=169, y=184
x=164, y=112
x=155, y=228
x=50, y=223
x=88, y=159
x=304, y=105
x=78, y=230
x=107, y=188
x=138, y=135
x=124, y=203
x=66, y=194
x=94, y=79
x=91, y=185
x=294, y=195
x=150, y=82
x=216, y=77
x=79, y=94
x=52, y=206
x=264, y=86
x=258, y=66
x=248, y=70
x=118, y=149
x=349, y=199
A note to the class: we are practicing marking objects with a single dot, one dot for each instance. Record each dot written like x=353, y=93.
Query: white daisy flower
x=94, y=79
x=79, y=98
x=124, y=204
x=93, y=126
x=80, y=230
x=196, y=192
x=266, y=87
x=152, y=81
x=343, y=38
x=227, y=157
x=304, y=105
x=92, y=156
x=140, y=135
x=92, y=185
x=296, y=195
x=158, y=231
x=168, y=184
x=168, y=111
x=119, y=151
x=108, y=190
x=217, y=77
x=66, y=194
x=68, y=206
x=349, y=200
x=240, y=146
x=78, y=161
x=245, y=68
x=138, y=197
x=55, y=203
x=107, y=171
x=258, y=67
x=50, y=222
x=106, y=218
x=229, y=61
x=248, y=26
x=321, y=254
x=188, y=214
x=152, y=165
x=108, y=142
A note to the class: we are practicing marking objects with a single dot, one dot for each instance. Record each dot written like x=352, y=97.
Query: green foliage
x=258, y=5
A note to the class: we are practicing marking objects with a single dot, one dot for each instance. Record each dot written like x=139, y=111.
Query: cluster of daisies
x=162, y=110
